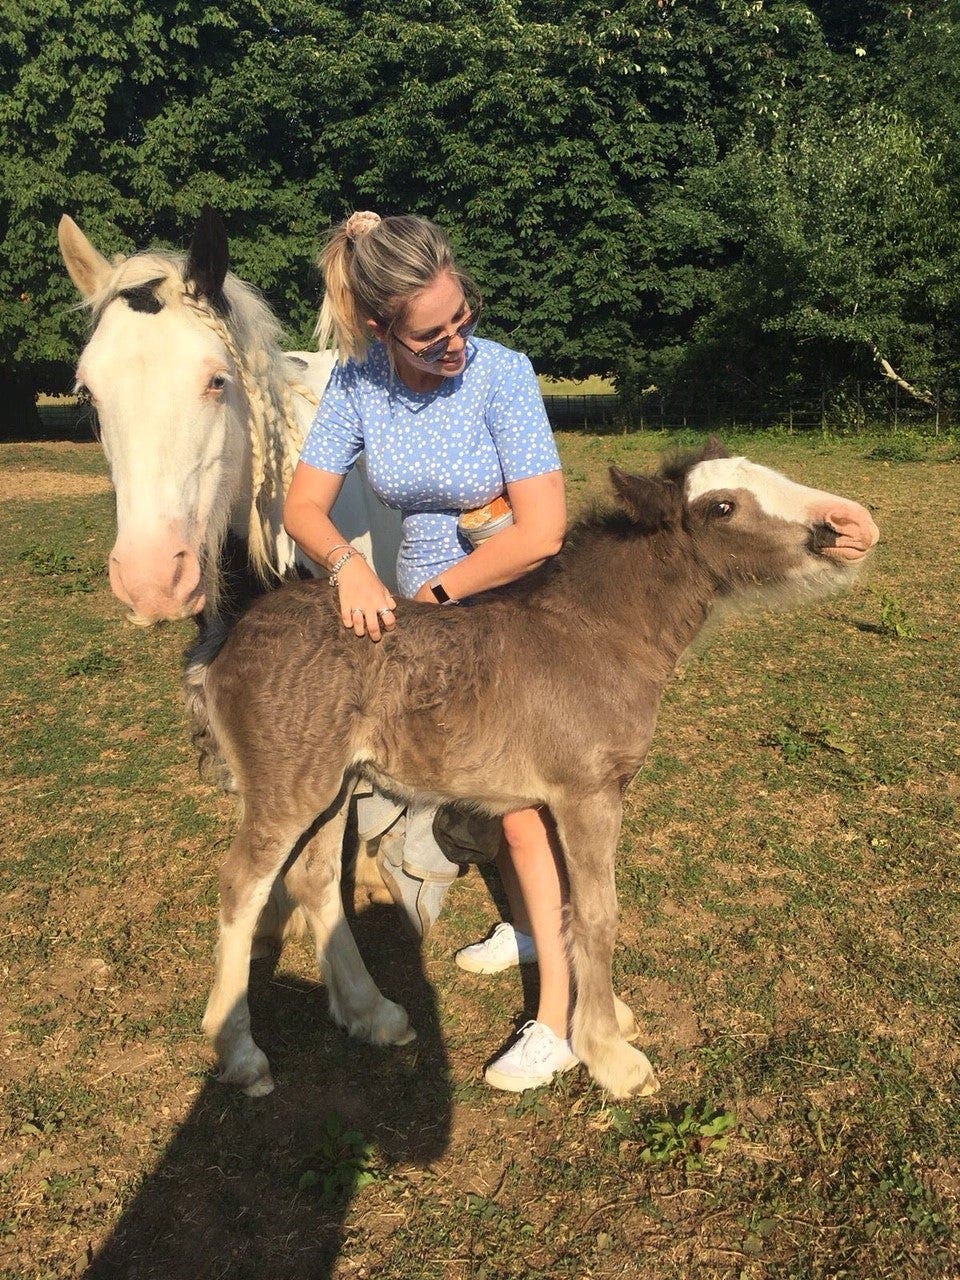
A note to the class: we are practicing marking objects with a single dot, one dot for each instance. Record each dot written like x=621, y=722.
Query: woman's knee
x=525, y=829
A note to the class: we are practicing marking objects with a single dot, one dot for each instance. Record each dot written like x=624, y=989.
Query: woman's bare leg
x=535, y=883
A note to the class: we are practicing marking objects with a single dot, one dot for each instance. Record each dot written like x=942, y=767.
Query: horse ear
x=208, y=259
x=713, y=450
x=89, y=270
x=651, y=502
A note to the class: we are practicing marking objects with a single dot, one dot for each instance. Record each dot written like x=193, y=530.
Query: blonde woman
x=447, y=422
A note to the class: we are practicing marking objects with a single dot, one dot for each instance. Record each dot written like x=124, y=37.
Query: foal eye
x=723, y=509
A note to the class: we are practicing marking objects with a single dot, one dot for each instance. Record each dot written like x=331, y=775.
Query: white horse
x=201, y=418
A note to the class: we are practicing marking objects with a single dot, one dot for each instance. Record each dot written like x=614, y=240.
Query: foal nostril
x=823, y=536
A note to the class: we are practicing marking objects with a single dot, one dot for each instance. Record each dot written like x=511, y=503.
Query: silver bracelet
x=341, y=546
x=335, y=570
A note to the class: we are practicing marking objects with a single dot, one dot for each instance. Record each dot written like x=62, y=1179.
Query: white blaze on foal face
x=840, y=529
x=161, y=382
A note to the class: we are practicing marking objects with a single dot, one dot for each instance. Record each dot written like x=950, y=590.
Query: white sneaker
x=504, y=948
x=534, y=1058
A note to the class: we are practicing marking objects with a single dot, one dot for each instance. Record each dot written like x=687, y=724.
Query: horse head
x=165, y=370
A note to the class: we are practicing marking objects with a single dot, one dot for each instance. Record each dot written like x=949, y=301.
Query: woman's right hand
x=366, y=606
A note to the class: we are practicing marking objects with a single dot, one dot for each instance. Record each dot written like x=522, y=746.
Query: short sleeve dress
x=434, y=454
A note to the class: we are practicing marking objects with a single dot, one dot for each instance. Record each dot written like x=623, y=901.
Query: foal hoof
x=623, y=1071
x=249, y=1071
x=391, y=1026
x=387, y=1024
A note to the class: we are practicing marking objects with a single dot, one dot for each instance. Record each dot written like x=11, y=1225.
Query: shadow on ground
x=261, y=1187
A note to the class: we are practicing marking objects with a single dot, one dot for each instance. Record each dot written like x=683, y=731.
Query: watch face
x=439, y=594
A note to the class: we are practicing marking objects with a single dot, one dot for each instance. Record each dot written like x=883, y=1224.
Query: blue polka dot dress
x=435, y=454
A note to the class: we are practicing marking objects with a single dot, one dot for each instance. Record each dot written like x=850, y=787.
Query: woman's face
x=435, y=313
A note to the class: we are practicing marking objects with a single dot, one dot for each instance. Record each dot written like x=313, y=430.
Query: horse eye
x=218, y=382
x=723, y=510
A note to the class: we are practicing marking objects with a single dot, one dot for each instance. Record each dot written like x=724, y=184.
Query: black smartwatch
x=439, y=594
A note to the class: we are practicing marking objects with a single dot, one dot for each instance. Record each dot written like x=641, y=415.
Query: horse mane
x=251, y=333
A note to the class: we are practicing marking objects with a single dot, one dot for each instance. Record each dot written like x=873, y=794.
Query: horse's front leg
x=356, y=1003
x=588, y=830
x=252, y=864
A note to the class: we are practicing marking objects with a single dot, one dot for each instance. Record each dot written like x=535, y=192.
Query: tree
x=839, y=265
x=602, y=170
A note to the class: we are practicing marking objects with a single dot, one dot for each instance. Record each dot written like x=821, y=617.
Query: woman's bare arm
x=306, y=517
x=539, y=525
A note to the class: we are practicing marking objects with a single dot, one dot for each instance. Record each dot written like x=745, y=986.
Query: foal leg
x=588, y=832
x=252, y=863
x=356, y=1004
x=280, y=922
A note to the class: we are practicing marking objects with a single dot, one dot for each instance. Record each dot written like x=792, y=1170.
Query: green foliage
x=900, y=446
x=796, y=744
x=894, y=620
x=94, y=662
x=840, y=254
x=68, y=576
x=341, y=1164
x=729, y=197
x=689, y=1133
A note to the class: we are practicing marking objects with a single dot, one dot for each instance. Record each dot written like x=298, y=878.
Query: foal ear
x=208, y=259
x=712, y=450
x=651, y=502
x=89, y=270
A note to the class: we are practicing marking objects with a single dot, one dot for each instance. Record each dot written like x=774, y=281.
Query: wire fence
x=607, y=413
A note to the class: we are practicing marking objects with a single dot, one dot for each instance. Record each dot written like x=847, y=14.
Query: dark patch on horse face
x=143, y=297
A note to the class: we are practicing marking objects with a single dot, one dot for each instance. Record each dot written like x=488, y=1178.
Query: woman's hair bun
x=359, y=223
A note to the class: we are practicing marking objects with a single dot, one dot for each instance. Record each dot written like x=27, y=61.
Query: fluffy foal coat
x=543, y=693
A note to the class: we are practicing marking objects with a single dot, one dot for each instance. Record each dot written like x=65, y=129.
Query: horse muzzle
x=159, y=582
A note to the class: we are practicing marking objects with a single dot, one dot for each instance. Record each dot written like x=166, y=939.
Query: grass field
x=790, y=943
x=594, y=386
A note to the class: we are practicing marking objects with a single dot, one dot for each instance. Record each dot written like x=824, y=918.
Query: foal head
x=753, y=529
x=161, y=368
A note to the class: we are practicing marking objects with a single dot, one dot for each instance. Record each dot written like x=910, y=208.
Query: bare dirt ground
x=39, y=485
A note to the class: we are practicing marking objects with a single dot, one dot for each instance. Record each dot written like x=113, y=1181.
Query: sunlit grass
x=790, y=898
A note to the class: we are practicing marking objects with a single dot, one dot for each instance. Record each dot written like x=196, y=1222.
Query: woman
x=447, y=422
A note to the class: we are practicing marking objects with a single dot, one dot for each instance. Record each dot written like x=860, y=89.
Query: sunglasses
x=434, y=352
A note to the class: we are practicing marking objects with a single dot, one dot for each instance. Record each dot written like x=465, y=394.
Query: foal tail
x=212, y=763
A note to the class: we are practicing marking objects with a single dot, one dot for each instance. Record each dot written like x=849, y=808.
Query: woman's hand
x=366, y=606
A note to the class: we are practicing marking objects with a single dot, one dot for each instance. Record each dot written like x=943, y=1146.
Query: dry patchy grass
x=789, y=942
